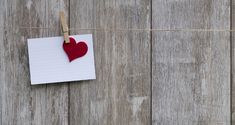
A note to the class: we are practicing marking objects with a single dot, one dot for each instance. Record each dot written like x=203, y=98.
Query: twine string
x=133, y=29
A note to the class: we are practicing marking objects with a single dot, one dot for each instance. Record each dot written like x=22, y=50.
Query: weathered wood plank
x=191, y=70
x=121, y=93
x=21, y=103
x=2, y=76
x=233, y=62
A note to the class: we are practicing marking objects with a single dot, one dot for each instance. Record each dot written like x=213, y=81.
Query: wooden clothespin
x=65, y=28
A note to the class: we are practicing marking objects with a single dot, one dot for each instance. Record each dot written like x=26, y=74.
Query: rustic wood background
x=143, y=77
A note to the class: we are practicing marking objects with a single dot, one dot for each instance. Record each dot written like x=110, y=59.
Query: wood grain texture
x=2, y=75
x=191, y=70
x=21, y=103
x=233, y=61
x=121, y=93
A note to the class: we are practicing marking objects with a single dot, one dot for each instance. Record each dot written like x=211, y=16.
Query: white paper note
x=49, y=63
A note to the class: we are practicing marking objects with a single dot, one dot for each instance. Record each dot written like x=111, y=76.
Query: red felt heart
x=75, y=50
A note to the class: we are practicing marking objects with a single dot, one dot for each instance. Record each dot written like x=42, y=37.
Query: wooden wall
x=159, y=77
